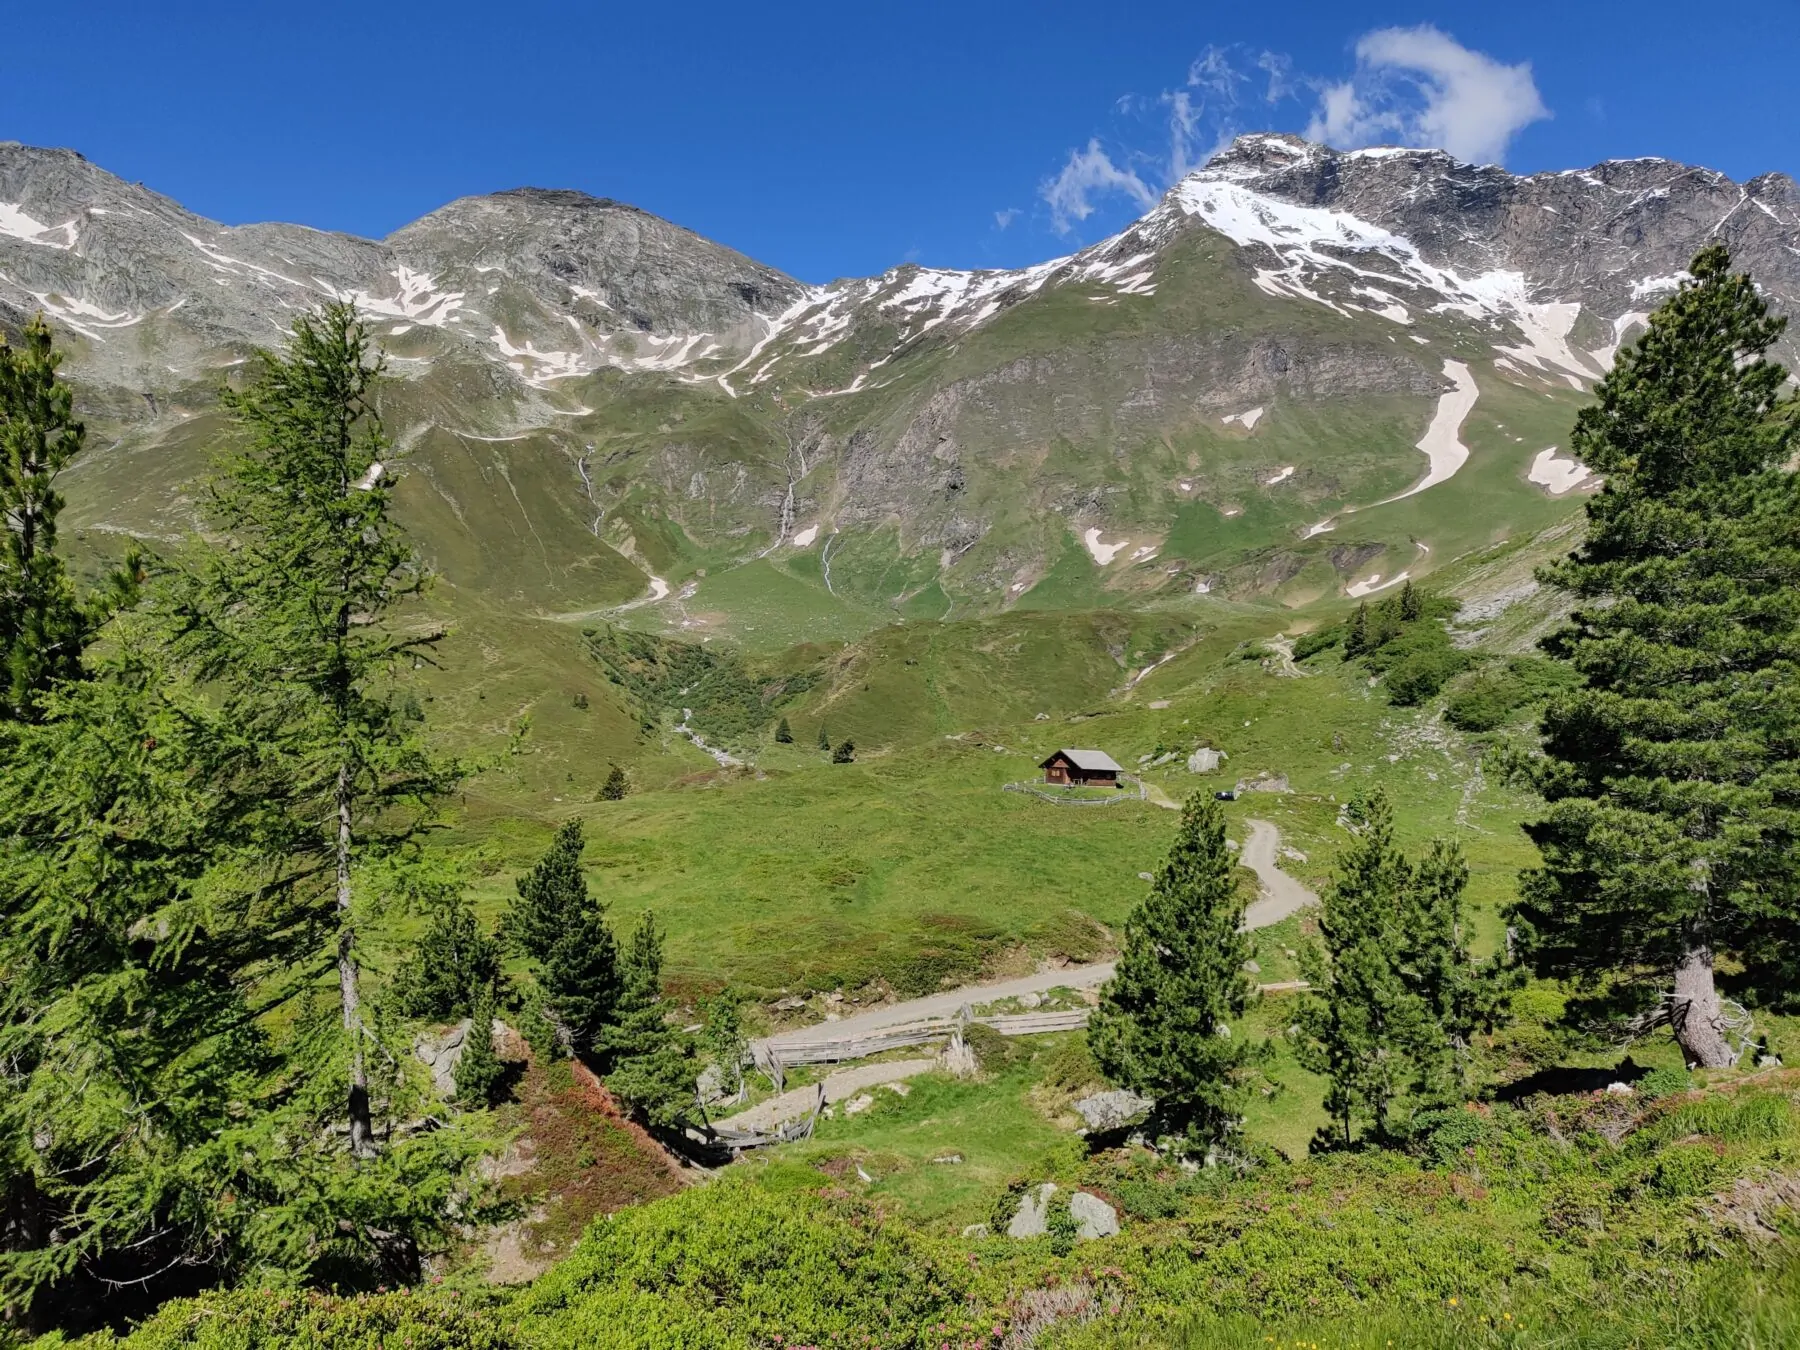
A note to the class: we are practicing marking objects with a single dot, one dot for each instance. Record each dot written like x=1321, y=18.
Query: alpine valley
x=1303, y=375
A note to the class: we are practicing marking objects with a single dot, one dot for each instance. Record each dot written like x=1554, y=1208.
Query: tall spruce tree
x=1164, y=1024
x=294, y=621
x=563, y=931
x=1673, y=771
x=43, y=628
x=1356, y=637
x=651, y=1069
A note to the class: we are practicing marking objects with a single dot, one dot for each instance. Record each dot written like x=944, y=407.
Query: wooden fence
x=773, y=1057
x=1046, y=793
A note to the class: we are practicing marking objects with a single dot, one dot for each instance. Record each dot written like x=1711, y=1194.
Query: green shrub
x=1421, y=673
x=1445, y=1137
x=1660, y=1083
x=1684, y=1169
x=1494, y=695
x=1320, y=640
x=1071, y=1065
x=260, y=1319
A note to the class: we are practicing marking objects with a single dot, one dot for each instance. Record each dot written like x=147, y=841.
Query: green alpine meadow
x=561, y=787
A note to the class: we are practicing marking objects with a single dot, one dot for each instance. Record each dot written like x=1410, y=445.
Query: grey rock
x=1094, y=1218
x=1206, y=760
x=1030, y=999
x=1253, y=967
x=441, y=1053
x=1031, y=1219
x=1109, y=1110
x=975, y=1230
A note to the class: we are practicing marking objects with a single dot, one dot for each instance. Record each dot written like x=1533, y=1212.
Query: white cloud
x=1004, y=218
x=1090, y=173
x=1420, y=86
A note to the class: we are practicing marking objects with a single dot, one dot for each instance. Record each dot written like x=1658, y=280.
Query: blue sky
x=840, y=139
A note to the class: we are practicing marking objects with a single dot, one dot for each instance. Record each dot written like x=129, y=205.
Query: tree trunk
x=1695, y=1013
x=362, y=1131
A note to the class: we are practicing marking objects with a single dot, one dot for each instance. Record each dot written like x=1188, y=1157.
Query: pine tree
x=479, y=1068
x=453, y=961
x=651, y=1068
x=824, y=740
x=548, y=894
x=615, y=787
x=784, y=734
x=1412, y=604
x=1672, y=771
x=1164, y=1024
x=1362, y=1027
x=845, y=753
x=1356, y=640
x=563, y=931
x=294, y=623
x=42, y=627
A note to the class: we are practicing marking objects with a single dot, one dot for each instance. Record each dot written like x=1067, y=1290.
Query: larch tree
x=43, y=627
x=298, y=619
x=1672, y=772
x=1164, y=1024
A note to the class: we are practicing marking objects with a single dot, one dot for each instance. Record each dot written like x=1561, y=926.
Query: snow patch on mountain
x=1247, y=419
x=1442, y=442
x=1555, y=474
x=419, y=301
x=15, y=224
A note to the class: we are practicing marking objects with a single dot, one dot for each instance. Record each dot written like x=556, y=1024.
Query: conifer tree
x=453, y=961
x=294, y=622
x=784, y=734
x=615, y=787
x=845, y=753
x=1673, y=771
x=42, y=627
x=558, y=925
x=1164, y=1024
x=651, y=1068
x=479, y=1068
x=824, y=740
x=1412, y=604
x=1356, y=640
x=1395, y=994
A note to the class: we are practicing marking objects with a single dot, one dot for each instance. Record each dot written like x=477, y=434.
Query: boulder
x=1032, y=1218
x=858, y=1104
x=1265, y=782
x=1030, y=1000
x=440, y=1053
x=1206, y=760
x=975, y=1230
x=1109, y=1110
x=1094, y=1218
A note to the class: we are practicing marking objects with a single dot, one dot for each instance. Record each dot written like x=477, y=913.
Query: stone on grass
x=1206, y=760
x=976, y=1230
x=858, y=1104
x=948, y=1158
x=1109, y=1110
x=1094, y=1218
x=1030, y=1000
x=1032, y=1219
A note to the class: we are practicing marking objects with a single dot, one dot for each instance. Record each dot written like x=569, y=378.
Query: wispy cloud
x=1089, y=174
x=1411, y=86
x=1420, y=86
x=1004, y=218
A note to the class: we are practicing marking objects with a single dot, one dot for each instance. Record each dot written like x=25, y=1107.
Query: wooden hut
x=1082, y=768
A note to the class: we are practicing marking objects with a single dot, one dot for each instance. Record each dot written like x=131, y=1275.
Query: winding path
x=1282, y=896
